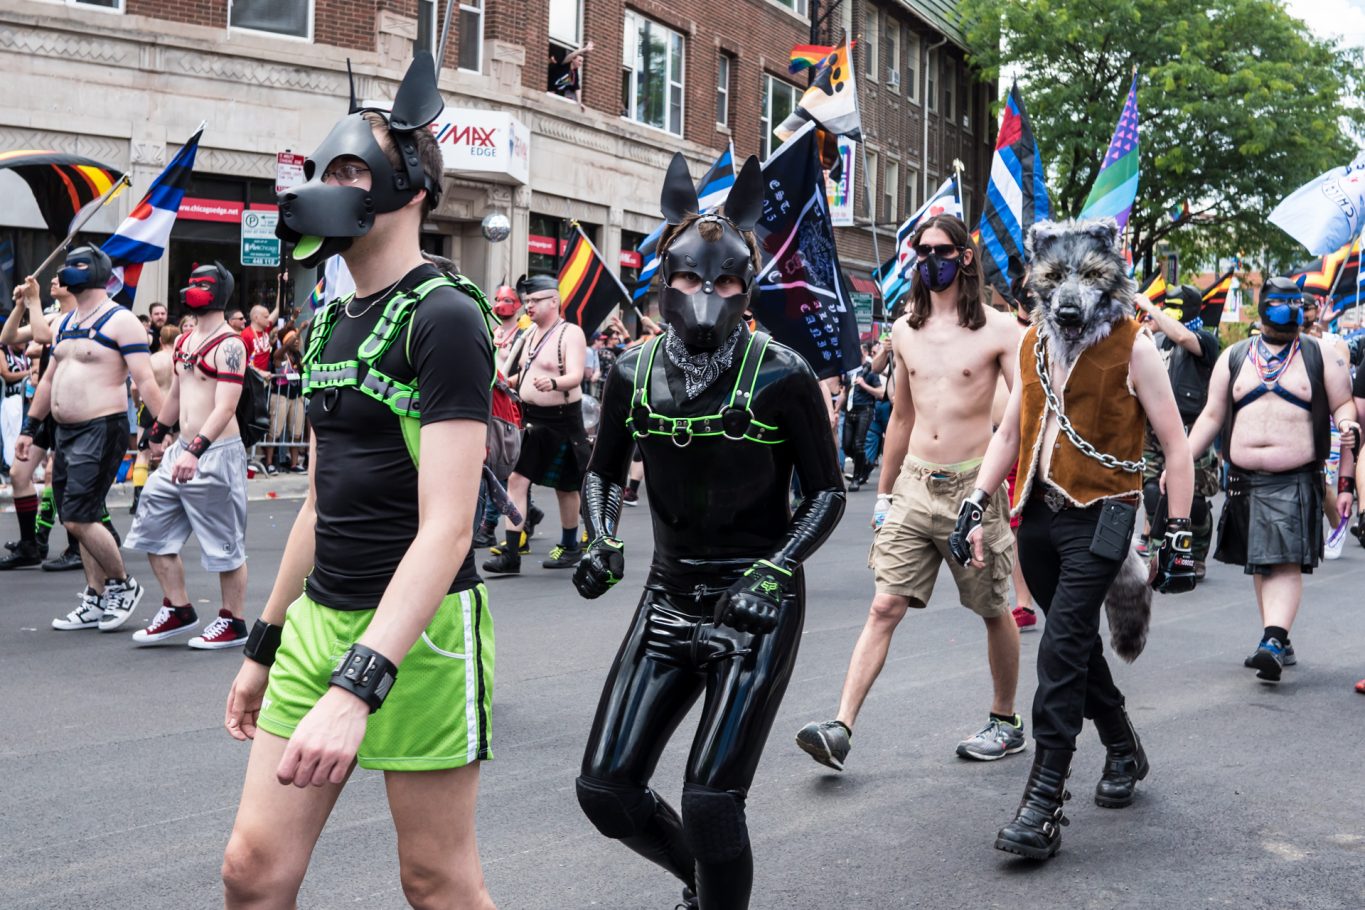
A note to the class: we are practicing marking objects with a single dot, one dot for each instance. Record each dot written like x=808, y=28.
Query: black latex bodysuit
x=718, y=505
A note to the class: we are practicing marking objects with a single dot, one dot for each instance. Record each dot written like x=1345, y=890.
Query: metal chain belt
x=1064, y=423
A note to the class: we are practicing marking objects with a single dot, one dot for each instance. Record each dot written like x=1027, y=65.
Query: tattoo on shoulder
x=233, y=355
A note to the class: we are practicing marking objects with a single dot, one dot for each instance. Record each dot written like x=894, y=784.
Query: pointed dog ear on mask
x=418, y=101
x=1040, y=236
x=744, y=204
x=350, y=77
x=1105, y=230
x=679, y=196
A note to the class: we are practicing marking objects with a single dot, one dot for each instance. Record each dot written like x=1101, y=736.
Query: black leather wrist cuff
x=30, y=427
x=1346, y=485
x=1177, y=524
x=199, y=445
x=263, y=642
x=156, y=432
x=366, y=674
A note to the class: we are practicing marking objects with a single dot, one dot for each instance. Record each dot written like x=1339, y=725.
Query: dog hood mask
x=210, y=288
x=322, y=219
x=96, y=274
x=1281, y=306
x=705, y=320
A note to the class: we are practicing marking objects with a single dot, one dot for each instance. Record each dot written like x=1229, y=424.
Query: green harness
x=363, y=373
x=735, y=421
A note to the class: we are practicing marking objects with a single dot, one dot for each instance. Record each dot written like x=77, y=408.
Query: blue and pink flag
x=1116, y=187
x=146, y=232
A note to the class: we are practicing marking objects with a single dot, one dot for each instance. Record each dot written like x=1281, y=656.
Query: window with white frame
x=471, y=35
x=893, y=180
x=428, y=28
x=893, y=55
x=869, y=43
x=113, y=6
x=931, y=81
x=566, y=22
x=800, y=7
x=724, y=66
x=912, y=202
x=776, y=102
x=652, y=74
x=294, y=20
x=872, y=173
x=968, y=100
x=912, y=55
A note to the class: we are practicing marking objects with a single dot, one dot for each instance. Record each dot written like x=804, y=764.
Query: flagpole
x=867, y=175
x=76, y=227
x=614, y=277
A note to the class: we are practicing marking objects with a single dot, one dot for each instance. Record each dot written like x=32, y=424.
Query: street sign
x=840, y=192
x=862, y=308
x=260, y=246
x=288, y=170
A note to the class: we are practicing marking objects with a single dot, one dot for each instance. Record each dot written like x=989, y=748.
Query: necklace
x=1270, y=366
x=76, y=322
x=189, y=360
x=369, y=306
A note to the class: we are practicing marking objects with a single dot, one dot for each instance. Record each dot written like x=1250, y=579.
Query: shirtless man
x=1271, y=400
x=162, y=369
x=201, y=484
x=950, y=350
x=97, y=346
x=554, y=450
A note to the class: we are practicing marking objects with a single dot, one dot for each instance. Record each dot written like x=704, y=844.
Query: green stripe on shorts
x=439, y=713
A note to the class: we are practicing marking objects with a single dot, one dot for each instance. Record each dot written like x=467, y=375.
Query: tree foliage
x=1239, y=105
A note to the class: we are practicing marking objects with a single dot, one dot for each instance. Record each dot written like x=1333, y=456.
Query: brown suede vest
x=1101, y=407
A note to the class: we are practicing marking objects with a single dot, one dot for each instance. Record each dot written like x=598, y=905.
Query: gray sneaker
x=995, y=740
x=826, y=742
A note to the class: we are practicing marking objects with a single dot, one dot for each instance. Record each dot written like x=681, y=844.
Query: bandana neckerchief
x=701, y=370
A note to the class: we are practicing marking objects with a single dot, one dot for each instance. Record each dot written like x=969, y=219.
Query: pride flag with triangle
x=1116, y=187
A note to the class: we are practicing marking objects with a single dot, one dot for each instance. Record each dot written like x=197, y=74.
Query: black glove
x=969, y=516
x=1173, y=569
x=603, y=565
x=752, y=603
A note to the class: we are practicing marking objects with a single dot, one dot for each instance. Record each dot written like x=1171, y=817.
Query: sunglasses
x=941, y=250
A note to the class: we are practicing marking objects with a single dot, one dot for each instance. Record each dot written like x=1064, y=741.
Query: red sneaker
x=168, y=622
x=1025, y=618
x=227, y=631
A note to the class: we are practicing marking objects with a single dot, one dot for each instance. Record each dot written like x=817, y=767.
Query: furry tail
x=1129, y=608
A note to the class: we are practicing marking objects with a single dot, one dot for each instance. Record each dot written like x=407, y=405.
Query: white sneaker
x=120, y=599
x=1336, y=541
x=86, y=616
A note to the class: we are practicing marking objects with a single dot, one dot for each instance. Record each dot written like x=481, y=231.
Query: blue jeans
x=876, y=432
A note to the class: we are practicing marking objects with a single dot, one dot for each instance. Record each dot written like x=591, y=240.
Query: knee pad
x=713, y=823
x=616, y=810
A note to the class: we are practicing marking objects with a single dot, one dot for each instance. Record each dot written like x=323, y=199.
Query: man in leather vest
x=1270, y=400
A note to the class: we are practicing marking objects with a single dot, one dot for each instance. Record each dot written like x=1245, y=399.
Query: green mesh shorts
x=439, y=713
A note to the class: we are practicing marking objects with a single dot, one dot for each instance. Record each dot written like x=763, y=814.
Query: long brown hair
x=971, y=310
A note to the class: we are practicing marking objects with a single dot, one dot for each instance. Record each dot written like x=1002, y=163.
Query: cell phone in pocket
x=1114, y=531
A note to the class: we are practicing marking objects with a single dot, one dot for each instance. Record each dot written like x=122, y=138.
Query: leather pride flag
x=62, y=184
x=588, y=290
x=1215, y=299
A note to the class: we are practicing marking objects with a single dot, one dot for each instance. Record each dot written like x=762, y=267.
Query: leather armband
x=366, y=674
x=31, y=427
x=1346, y=485
x=157, y=432
x=263, y=642
x=199, y=445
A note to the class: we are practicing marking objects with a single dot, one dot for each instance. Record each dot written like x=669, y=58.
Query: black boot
x=1125, y=762
x=68, y=561
x=505, y=562
x=1036, y=831
x=24, y=555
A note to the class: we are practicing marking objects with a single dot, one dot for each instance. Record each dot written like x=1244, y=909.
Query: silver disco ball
x=592, y=413
x=496, y=227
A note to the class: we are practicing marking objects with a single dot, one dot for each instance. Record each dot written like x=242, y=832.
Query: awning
x=863, y=285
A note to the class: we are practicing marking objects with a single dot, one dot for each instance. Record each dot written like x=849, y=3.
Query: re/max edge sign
x=477, y=139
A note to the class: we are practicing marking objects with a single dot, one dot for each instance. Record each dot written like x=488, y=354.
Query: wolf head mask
x=1079, y=281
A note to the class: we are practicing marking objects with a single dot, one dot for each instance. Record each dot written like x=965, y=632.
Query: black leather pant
x=856, y=423
x=673, y=654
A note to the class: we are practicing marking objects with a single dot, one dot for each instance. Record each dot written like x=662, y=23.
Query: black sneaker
x=1287, y=659
x=66, y=562
x=562, y=557
x=1268, y=661
x=483, y=539
x=24, y=555
x=827, y=743
x=534, y=517
x=496, y=547
x=631, y=497
x=503, y=563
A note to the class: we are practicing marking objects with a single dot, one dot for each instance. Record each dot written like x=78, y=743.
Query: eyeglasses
x=505, y=300
x=543, y=299
x=942, y=250
x=348, y=174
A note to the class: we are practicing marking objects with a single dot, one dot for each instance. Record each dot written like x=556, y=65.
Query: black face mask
x=937, y=274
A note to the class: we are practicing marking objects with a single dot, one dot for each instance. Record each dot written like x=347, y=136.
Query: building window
x=652, y=74
x=893, y=55
x=893, y=180
x=294, y=20
x=113, y=6
x=428, y=28
x=724, y=64
x=777, y=102
x=968, y=100
x=949, y=75
x=966, y=204
x=871, y=208
x=931, y=81
x=566, y=22
x=912, y=46
x=911, y=192
x=869, y=43
x=800, y=7
x=471, y=35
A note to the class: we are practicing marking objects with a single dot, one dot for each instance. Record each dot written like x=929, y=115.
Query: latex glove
x=603, y=565
x=753, y=602
x=969, y=517
x=1173, y=568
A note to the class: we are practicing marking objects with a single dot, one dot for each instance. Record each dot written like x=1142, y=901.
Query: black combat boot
x=1125, y=762
x=1036, y=831
x=25, y=554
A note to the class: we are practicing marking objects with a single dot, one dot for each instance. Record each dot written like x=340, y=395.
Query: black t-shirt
x=365, y=480
x=860, y=397
x=1358, y=383
x=563, y=79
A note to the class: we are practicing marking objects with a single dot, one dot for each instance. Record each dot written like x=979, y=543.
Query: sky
x=1344, y=19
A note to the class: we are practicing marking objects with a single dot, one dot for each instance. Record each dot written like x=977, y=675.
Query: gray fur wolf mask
x=1079, y=278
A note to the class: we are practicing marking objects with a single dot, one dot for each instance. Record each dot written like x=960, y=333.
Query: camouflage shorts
x=1205, y=466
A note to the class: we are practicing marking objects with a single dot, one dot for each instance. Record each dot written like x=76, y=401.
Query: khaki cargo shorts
x=910, y=545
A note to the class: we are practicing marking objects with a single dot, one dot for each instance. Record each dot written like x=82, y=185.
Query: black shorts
x=86, y=464
x=46, y=436
x=1272, y=520
x=554, y=448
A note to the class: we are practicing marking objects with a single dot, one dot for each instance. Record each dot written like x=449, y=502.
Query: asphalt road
x=118, y=785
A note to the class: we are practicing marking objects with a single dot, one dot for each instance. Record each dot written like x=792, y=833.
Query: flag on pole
x=806, y=56
x=1115, y=188
x=1327, y=212
x=588, y=290
x=831, y=100
x=146, y=232
x=1319, y=276
x=801, y=294
x=62, y=184
x=893, y=276
x=1215, y=299
x=1155, y=289
x=1346, y=292
x=1016, y=197
x=711, y=194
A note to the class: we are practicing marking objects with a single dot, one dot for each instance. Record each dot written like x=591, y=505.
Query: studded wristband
x=263, y=642
x=366, y=674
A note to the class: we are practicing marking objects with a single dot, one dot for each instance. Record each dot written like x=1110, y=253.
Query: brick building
x=125, y=81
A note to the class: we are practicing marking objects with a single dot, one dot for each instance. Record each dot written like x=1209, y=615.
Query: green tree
x=1239, y=105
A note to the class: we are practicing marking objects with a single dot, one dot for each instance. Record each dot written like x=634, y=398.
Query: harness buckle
x=682, y=430
x=735, y=423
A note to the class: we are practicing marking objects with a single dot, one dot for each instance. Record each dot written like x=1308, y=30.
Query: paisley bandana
x=701, y=370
